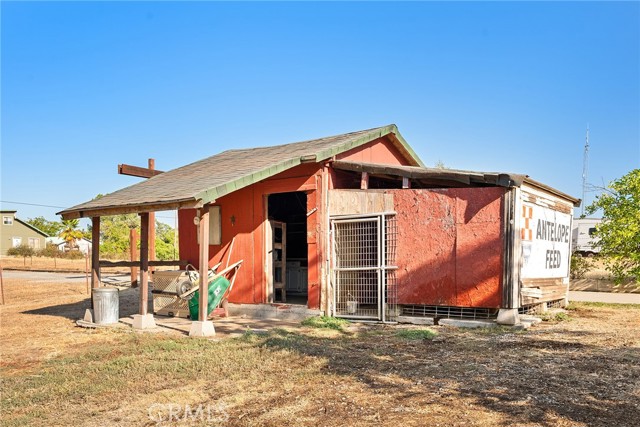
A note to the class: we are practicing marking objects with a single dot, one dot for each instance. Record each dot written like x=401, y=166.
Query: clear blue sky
x=480, y=86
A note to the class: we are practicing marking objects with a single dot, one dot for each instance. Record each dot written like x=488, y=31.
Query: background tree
x=440, y=165
x=114, y=236
x=70, y=232
x=619, y=232
x=52, y=228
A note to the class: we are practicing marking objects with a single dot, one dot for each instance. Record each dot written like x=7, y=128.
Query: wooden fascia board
x=127, y=209
x=404, y=146
x=210, y=195
x=576, y=202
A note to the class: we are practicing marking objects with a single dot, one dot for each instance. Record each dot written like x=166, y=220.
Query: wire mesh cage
x=365, y=283
x=166, y=291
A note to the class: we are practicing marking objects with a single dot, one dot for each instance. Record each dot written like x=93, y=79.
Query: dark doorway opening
x=291, y=209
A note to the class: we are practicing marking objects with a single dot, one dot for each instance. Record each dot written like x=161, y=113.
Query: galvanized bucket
x=106, y=306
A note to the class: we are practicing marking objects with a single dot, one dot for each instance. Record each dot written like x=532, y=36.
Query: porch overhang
x=105, y=210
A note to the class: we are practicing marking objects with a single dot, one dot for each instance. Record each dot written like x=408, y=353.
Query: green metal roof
x=208, y=179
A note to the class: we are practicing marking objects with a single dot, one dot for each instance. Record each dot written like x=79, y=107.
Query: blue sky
x=480, y=86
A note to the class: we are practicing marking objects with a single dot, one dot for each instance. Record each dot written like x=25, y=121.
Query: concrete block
x=143, y=321
x=202, y=329
x=532, y=320
x=416, y=320
x=467, y=323
x=508, y=316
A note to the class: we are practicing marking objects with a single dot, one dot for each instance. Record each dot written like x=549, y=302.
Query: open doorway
x=287, y=250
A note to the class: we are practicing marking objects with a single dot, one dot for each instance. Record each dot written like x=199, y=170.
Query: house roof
x=450, y=177
x=208, y=179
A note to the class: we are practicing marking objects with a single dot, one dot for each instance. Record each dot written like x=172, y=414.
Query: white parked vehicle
x=582, y=238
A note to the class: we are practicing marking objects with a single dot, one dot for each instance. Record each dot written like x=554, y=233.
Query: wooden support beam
x=364, y=181
x=204, y=264
x=152, y=223
x=137, y=171
x=405, y=182
x=95, y=252
x=144, y=263
x=133, y=256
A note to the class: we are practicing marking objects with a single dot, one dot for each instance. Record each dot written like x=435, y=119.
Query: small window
x=592, y=231
x=16, y=241
x=34, y=242
x=7, y=220
x=215, y=226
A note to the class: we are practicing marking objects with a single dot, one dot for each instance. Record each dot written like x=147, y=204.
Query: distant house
x=15, y=232
x=83, y=245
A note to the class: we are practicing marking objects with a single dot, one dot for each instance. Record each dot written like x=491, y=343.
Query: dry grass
x=583, y=372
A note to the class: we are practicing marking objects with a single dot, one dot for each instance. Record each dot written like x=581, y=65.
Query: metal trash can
x=106, y=306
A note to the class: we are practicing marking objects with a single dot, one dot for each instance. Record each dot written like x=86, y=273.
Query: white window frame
x=7, y=220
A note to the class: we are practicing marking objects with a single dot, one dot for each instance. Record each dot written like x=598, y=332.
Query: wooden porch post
x=364, y=181
x=133, y=252
x=95, y=253
x=144, y=263
x=204, y=264
x=203, y=327
x=152, y=224
x=144, y=320
x=406, y=183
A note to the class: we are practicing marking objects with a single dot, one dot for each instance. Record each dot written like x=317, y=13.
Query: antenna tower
x=585, y=169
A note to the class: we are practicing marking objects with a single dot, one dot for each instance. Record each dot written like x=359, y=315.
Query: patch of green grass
x=555, y=316
x=325, y=322
x=606, y=305
x=416, y=334
x=495, y=330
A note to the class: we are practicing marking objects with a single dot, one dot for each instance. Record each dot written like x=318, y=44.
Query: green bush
x=22, y=250
x=73, y=255
x=50, y=251
x=580, y=266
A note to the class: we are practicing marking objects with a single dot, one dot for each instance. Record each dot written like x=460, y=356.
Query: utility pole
x=585, y=170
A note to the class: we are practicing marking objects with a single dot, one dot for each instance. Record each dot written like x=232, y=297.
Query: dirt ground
x=580, y=370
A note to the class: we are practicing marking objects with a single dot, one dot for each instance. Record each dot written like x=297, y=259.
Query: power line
x=32, y=204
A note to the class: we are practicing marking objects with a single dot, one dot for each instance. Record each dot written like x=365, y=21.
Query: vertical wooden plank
x=144, y=263
x=152, y=224
x=405, y=182
x=95, y=252
x=364, y=181
x=204, y=264
x=133, y=253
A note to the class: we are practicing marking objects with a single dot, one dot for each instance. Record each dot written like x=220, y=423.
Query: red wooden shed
x=354, y=225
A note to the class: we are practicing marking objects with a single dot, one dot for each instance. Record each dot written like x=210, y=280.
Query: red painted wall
x=379, y=150
x=450, y=246
x=247, y=208
x=243, y=216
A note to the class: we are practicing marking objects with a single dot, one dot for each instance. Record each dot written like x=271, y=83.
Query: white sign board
x=546, y=236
